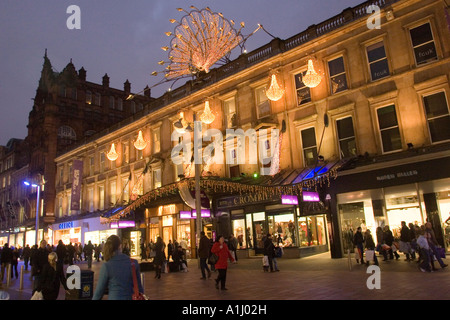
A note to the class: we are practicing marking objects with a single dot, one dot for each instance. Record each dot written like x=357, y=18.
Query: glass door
x=260, y=231
x=135, y=237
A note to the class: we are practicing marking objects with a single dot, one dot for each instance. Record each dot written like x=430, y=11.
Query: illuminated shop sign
x=122, y=224
x=288, y=199
x=205, y=213
x=66, y=225
x=310, y=196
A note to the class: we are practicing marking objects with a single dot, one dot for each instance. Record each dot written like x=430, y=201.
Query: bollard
x=21, y=278
x=8, y=275
x=349, y=259
x=143, y=281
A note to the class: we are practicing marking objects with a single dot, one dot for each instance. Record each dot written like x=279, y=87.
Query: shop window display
x=239, y=233
x=283, y=228
x=311, y=231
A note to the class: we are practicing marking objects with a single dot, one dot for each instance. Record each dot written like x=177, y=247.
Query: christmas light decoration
x=207, y=116
x=112, y=154
x=311, y=79
x=274, y=92
x=140, y=143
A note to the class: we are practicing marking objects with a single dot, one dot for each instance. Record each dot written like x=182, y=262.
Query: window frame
x=431, y=93
x=380, y=137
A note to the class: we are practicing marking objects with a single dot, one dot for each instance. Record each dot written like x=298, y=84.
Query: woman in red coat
x=220, y=248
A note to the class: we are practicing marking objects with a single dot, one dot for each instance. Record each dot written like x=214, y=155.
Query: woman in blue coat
x=116, y=273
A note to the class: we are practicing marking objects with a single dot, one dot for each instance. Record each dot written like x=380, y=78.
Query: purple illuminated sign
x=311, y=196
x=287, y=199
x=205, y=213
x=122, y=224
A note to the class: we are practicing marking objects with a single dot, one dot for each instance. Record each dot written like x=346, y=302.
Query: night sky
x=122, y=39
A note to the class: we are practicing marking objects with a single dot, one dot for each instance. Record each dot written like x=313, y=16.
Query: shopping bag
x=441, y=252
x=357, y=254
x=370, y=255
x=385, y=247
x=37, y=296
x=265, y=261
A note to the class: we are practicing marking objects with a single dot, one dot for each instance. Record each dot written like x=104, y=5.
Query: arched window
x=66, y=135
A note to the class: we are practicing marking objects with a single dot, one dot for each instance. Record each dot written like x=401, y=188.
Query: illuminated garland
x=215, y=185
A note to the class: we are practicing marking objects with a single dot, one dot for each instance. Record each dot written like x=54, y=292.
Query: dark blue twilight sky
x=120, y=38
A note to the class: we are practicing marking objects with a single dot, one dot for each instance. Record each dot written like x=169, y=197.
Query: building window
x=229, y=106
x=125, y=153
x=423, y=44
x=119, y=104
x=113, y=193
x=303, y=92
x=338, y=78
x=262, y=103
x=91, y=166
x=156, y=140
x=389, y=129
x=91, y=199
x=98, y=99
x=156, y=178
x=346, y=136
x=378, y=63
x=101, y=197
x=438, y=118
x=133, y=107
x=111, y=102
x=102, y=162
x=60, y=207
x=309, y=146
x=61, y=176
x=126, y=189
x=88, y=97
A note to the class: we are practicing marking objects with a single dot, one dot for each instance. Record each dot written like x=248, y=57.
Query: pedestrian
x=380, y=239
x=88, y=251
x=413, y=237
x=170, y=250
x=116, y=273
x=220, y=248
x=233, y=245
x=405, y=241
x=6, y=259
x=14, y=262
x=143, y=250
x=358, y=241
x=26, y=256
x=97, y=252
x=51, y=276
x=424, y=250
x=61, y=252
x=70, y=254
x=432, y=243
x=388, y=238
x=160, y=257
x=269, y=251
x=370, y=246
x=204, y=249
x=179, y=259
x=38, y=262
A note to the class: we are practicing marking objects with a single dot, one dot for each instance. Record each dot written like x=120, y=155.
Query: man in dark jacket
x=6, y=258
x=405, y=240
x=358, y=241
x=204, y=249
x=88, y=251
x=61, y=252
x=269, y=250
x=26, y=256
x=38, y=263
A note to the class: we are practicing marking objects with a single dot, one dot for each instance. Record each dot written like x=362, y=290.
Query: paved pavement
x=313, y=278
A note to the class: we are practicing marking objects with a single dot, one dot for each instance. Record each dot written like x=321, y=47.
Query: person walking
x=6, y=259
x=70, y=253
x=413, y=237
x=370, y=245
x=14, y=262
x=26, y=256
x=203, y=253
x=233, y=245
x=389, y=240
x=405, y=241
x=61, y=252
x=88, y=251
x=358, y=241
x=39, y=261
x=432, y=243
x=220, y=248
x=269, y=250
x=170, y=250
x=424, y=251
x=116, y=273
x=160, y=257
x=51, y=276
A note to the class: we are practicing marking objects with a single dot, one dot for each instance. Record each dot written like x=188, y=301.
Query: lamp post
x=38, y=189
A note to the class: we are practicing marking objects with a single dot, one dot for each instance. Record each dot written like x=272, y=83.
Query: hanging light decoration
x=140, y=143
x=311, y=79
x=181, y=124
x=112, y=154
x=207, y=116
x=275, y=92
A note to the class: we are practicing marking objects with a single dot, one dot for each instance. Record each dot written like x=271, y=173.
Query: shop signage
x=310, y=196
x=391, y=176
x=246, y=200
x=205, y=213
x=66, y=225
x=122, y=224
x=289, y=199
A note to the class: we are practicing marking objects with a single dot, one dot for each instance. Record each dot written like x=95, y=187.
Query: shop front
x=292, y=226
x=415, y=193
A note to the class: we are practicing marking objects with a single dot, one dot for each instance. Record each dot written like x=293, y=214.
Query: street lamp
x=38, y=188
